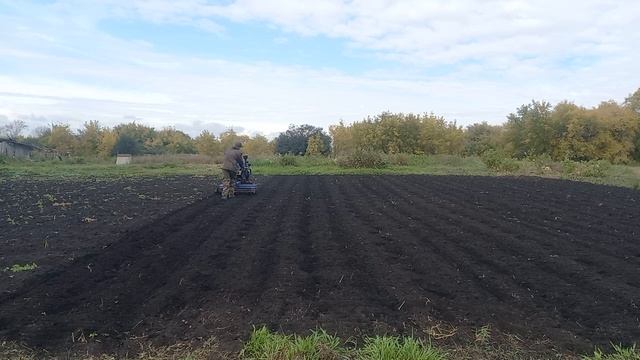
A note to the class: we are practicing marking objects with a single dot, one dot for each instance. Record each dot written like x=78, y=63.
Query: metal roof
x=11, y=141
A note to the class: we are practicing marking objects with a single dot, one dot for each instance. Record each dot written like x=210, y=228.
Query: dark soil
x=543, y=259
x=52, y=223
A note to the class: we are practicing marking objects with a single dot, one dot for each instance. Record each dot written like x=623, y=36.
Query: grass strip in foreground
x=319, y=345
x=265, y=345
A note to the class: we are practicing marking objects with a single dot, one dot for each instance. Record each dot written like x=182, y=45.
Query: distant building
x=123, y=159
x=14, y=149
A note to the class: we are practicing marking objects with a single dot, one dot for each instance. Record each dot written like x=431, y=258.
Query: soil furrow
x=351, y=254
x=579, y=286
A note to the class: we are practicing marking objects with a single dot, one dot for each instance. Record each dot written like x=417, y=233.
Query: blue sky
x=259, y=65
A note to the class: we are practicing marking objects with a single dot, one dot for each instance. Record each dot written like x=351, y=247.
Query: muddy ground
x=544, y=259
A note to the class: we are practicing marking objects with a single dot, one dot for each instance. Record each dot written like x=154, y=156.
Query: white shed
x=123, y=159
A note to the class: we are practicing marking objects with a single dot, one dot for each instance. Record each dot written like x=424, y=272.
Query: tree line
x=566, y=131
x=609, y=131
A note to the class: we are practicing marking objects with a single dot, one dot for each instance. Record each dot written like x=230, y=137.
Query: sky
x=259, y=65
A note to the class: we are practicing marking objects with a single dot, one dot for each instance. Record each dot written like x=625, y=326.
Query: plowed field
x=544, y=259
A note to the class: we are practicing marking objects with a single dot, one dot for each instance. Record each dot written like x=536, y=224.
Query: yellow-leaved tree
x=258, y=145
x=108, y=140
x=207, y=144
x=315, y=146
x=89, y=138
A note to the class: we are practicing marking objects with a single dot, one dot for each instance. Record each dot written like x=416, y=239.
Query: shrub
x=499, y=161
x=399, y=159
x=596, y=168
x=288, y=160
x=542, y=163
x=363, y=159
x=592, y=168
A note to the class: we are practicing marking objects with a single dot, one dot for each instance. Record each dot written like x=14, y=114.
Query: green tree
x=172, y=141
x=107, y=144
x=258, y=145
x=143, y=136
x=528, y=131
x=230, y=137
x=633, y=103
x=341, y=139
x=127, y=144
x=315, y=146
x=207, y=144
x=62, y=139
x=481, y=137
x=296, y=138
x=89, y=138
x=605, y=132
x=622, y=128
x=438, y=136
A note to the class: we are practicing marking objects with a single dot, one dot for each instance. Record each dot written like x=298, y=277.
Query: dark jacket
x=232, y=160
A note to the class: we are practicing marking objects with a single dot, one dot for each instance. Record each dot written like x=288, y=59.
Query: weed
x=597, y=168
x=619, y=353
x=499, y=161
x=483, y=335
x=40, y=205
x=20, y=268
x=586, y=169
x=399, y=159
x=265, y=345
x=543, y=164
x=287, y=160
x=14, y=351
x=394, y=348
x=363, y=159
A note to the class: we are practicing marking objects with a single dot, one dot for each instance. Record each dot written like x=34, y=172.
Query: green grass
x=618, y=353
x=434, y=165
x=398, y=164
x=319, y=345
x=395, y=348
x=265, y=345
x=20, y=268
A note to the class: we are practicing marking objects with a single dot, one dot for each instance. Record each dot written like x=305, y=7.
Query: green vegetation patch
x=618, y=353
x=20, y=268
x=265, y=345
x=319, y=345
x=395, y=348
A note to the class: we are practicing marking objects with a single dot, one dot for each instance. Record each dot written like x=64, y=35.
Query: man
x=232, y=161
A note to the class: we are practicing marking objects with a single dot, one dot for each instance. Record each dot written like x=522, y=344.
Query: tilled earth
x=543, y=259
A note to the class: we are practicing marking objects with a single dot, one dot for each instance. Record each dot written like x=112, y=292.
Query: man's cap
x=238, y=145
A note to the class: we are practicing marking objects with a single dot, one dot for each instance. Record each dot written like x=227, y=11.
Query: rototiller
x=245, y=183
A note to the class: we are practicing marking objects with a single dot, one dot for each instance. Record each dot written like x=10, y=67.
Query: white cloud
x=496, y=55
